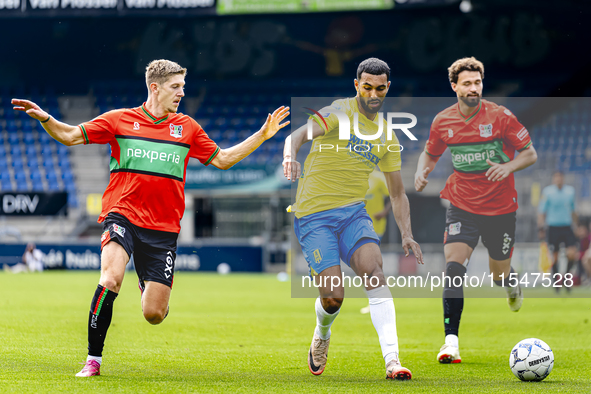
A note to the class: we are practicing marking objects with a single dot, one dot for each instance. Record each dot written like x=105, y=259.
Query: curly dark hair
x=464, y=64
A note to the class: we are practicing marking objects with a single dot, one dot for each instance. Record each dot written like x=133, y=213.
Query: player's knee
x=154, y=316
x=571, y=253
x=332, y=305
x=110, y=283
x=454, y=270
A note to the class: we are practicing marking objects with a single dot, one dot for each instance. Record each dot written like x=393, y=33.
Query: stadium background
x=80, y=59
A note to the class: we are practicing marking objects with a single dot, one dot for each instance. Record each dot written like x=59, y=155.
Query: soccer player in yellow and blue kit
x=331, y=221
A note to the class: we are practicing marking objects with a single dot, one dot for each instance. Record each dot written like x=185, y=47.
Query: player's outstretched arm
x=497, y=172
x=425, y=165
x=292, y=169
x=401, y=210
x=62, y=132
x=226, y=158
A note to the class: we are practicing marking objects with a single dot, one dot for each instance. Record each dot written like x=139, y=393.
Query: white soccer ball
x=531, y=359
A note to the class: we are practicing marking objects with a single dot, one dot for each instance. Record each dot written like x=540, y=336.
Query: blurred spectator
x=33, y=258
x=557, y=212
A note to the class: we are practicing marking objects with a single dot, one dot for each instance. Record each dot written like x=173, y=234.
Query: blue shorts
x=328, y=237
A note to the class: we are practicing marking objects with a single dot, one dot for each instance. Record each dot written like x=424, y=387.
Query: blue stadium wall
x=87, y=257
x=537, y=47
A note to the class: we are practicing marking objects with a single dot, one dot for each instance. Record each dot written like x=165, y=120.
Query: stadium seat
x=21, y=185
x=17, y=163
x=37, y=185
x=6, y=184
x=53, y=187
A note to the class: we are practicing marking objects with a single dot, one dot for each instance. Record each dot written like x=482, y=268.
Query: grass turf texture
x=244, y=333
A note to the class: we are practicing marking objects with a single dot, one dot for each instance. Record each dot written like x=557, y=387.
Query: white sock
x=323, y=320
x=383, y=317
x=97, y=359
x=452, y=340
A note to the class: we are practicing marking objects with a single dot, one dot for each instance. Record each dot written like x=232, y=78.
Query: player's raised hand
x=421, y=179
x=30, y=108
x=273, y=123
x=497, y=172
x=408, y=244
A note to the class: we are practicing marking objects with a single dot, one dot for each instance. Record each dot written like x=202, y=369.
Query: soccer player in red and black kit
x=145, y=200
x=482, y=137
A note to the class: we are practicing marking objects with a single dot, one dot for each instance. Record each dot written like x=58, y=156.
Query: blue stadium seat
x=72, y=200
x=53, y=187
x=28, y=138
x=13, y=138
x=44, y=138
x=64, y=163
x=17, y=163
x=20, y=176
x=37, y=185
x=67, y=177
x=31, y=151
x=35, y=175
x=62, y=151
x=48, y=163
x=12, y=124
x=21, y=185
x=6, y=184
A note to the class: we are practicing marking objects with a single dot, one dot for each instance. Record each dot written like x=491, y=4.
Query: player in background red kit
x=145, y=200
x=482, y=137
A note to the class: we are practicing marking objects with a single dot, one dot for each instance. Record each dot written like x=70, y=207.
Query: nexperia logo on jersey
x=472, y=157
x=151, y=157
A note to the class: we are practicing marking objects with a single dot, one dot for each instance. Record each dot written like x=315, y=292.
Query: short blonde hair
x=464, y=64
x=160, y=71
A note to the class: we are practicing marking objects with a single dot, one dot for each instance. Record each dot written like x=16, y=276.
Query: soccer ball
x=531, y=359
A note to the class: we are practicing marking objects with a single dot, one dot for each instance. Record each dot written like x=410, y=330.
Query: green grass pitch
x=244, y=333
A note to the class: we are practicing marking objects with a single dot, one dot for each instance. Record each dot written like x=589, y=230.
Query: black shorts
x=498, y=232
x=154, y=252
x=561, y=234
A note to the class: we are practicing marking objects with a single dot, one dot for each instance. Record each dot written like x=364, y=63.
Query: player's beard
x=367, y=108
x=471, y=101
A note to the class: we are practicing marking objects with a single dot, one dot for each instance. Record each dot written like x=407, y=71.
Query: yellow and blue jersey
x=338, y=176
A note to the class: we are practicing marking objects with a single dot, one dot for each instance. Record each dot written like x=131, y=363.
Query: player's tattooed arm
x=62, y=132
x=292, y=169
x=497, y=172
x=401, y=210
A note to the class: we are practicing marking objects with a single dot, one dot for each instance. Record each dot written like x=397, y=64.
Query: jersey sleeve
x=101, y=130
x=391, y=161
x=435, y=145
x=326, y=119
x=515, y=134
x=203, y=148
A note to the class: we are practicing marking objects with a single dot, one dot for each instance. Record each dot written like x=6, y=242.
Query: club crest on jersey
x=118, y=229
x=455, y=228
x=104, y=235
x=136, y=126
x=485, y=130
x=176, y=131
